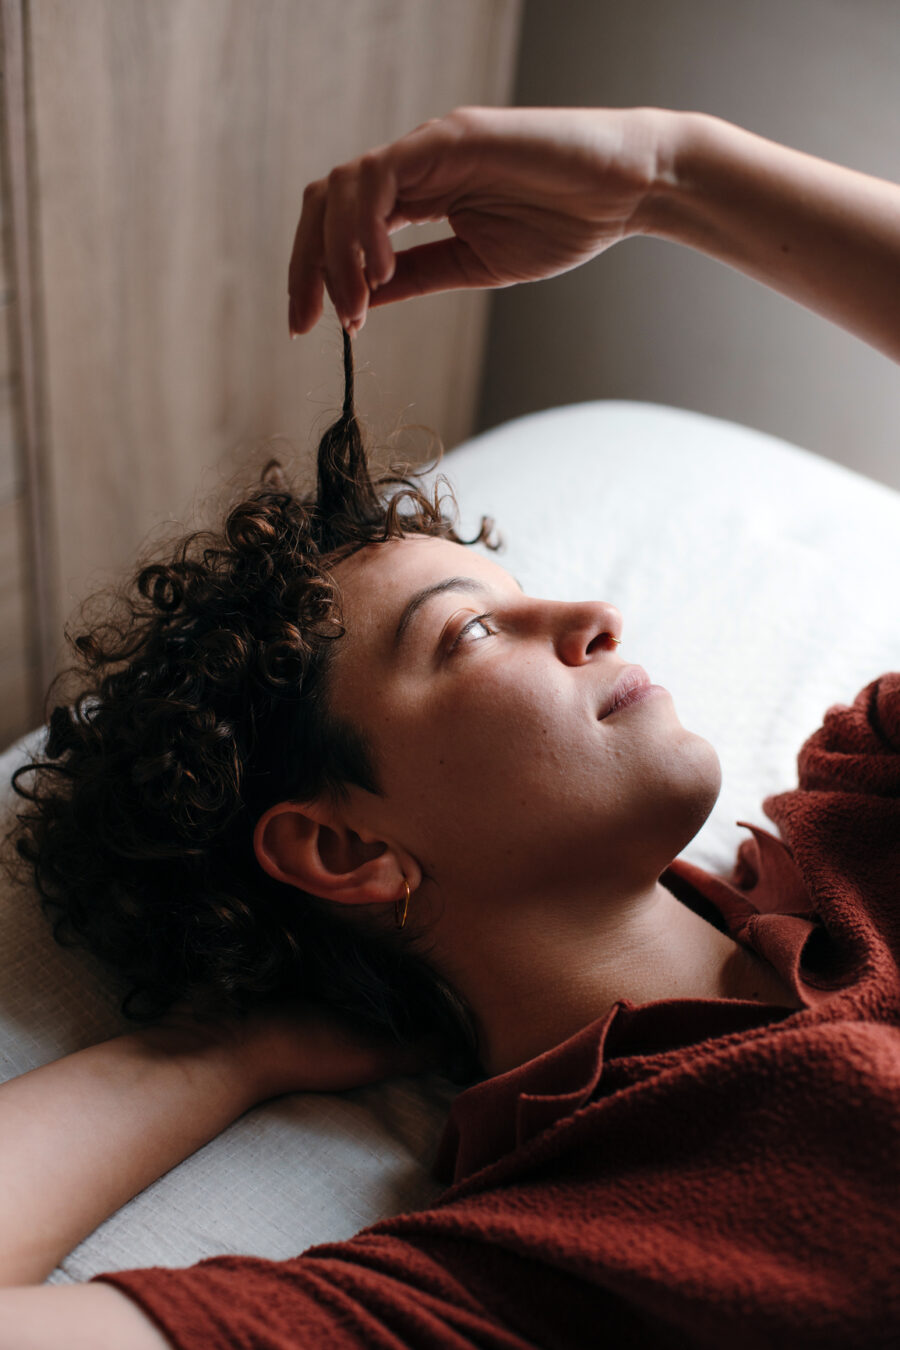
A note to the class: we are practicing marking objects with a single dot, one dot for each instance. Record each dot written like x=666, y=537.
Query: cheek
x=514, y=758
x=500, y=723
x=497, y=756
x=444, y=718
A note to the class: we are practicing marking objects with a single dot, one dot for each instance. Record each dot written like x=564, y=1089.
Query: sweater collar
x=500, y=1114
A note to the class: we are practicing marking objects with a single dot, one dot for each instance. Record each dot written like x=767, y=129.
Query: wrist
x=221, y=1053
x=682, y=142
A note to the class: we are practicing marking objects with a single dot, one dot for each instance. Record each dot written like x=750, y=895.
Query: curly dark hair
x=202, y=701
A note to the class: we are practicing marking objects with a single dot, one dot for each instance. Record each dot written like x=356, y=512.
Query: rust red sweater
x=682, y=1173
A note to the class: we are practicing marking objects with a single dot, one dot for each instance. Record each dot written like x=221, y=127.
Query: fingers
x=342, y=241
x=376, y=215
x=329, y=251
x=345, y=276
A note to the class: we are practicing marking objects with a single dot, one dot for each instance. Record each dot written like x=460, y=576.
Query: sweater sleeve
x=857, y=748
x=373, y=1292
x=842, y=824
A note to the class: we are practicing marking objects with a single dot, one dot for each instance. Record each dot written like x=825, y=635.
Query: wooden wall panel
x=173, y=141
x=19, y=681
x=18, y=691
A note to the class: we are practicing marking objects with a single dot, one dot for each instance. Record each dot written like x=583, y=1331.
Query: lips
x=632, y=679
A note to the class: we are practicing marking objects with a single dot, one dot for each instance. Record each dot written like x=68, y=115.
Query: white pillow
x=758, y=583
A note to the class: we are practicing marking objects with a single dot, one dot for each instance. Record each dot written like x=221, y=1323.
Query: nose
x=586, y=629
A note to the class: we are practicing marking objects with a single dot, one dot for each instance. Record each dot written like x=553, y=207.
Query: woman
x=686, y=1128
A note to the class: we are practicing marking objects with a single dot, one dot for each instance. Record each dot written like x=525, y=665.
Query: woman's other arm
x=81, y=1136
x=532, y=192
x=76, y=1317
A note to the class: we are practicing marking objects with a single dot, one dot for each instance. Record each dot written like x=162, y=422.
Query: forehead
x=377, y=583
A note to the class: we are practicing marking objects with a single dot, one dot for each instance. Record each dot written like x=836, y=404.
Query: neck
x=540, y=973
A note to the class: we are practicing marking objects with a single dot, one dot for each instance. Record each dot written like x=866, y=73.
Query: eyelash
x=485, y=619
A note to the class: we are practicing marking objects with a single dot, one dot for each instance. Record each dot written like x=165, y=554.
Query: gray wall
x=655, y=321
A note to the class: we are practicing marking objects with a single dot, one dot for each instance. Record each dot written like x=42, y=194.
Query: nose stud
x=617, y=641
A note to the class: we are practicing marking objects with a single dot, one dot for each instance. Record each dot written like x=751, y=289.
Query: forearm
x=81, y=1136
x=825, y=236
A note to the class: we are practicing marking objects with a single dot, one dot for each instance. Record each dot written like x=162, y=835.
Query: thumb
x=444, y=265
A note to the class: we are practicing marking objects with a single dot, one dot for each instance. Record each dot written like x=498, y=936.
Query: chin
x=681, y=790
x=700, y=786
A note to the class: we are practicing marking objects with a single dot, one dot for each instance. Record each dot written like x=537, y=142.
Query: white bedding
x=758, y=583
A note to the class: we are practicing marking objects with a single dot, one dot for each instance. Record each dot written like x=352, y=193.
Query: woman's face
x=482, y=707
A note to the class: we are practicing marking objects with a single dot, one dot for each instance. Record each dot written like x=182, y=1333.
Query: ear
x=309, y=846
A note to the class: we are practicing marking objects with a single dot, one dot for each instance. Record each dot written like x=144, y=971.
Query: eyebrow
x=420, y=598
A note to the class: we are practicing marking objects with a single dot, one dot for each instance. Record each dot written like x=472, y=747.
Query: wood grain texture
x=19, y=696
x=174, y=140
x=27, y=609
x=19, y=683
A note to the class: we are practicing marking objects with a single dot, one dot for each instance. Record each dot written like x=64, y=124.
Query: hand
x=528, y=193
x=306, y=1048
x=292, y=1047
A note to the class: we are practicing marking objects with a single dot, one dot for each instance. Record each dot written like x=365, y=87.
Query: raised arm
x=532, y=192
x=825, y=236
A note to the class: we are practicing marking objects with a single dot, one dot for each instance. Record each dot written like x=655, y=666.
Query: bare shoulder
x=77, y=1316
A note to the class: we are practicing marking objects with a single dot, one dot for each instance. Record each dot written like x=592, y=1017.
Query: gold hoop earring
x=400, y=915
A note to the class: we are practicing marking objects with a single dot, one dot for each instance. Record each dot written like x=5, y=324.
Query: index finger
x=306, y=275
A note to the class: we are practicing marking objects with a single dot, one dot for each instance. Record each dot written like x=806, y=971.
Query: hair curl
x=203, y=700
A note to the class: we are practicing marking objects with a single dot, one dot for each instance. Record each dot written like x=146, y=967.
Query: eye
x=469, y=633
